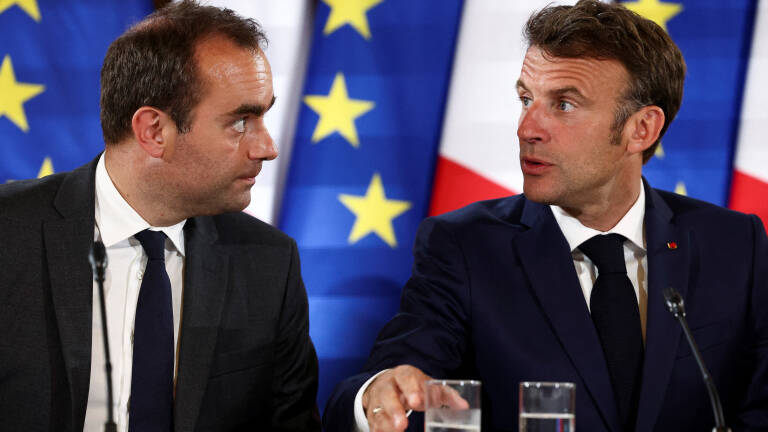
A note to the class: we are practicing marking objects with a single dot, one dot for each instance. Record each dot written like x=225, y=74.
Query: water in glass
x=547, y=422
x=443, y=420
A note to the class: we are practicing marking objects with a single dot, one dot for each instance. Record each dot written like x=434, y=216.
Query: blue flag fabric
x=697, y=150
x=50, y=57
x=362, y=164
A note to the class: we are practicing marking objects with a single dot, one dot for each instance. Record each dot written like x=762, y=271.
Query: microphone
x=98, y=259
x=675, y=305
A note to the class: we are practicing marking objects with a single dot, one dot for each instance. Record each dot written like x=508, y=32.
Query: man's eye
x=565, y=106
x=525, y=100
x=239, y=125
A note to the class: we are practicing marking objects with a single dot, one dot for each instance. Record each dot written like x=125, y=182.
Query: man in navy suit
x=515, y=289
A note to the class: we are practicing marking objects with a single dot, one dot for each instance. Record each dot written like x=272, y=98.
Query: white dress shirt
x=116, y=223
x=630, y=226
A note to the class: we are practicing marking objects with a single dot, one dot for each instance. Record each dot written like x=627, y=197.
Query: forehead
x=590, y=76
x=223, y=64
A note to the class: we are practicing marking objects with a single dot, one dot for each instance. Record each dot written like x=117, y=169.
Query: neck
x=604, y=213
x=130, y=173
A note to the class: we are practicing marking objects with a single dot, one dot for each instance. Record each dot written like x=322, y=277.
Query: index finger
x=444, y=395
x=410, y=381
x=451, y=398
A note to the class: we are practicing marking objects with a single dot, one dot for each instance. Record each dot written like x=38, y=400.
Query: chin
x=539, y=194
x=235, y=201
x=242, y=203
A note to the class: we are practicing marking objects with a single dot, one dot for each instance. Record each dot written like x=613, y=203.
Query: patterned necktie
x=151, y=403
x=616, y=316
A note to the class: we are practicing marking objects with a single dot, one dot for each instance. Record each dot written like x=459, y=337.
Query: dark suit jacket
x=246, y=361
x=494, y=296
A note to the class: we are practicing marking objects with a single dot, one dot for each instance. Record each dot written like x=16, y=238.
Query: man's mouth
x=251, y=176
x=532, y=166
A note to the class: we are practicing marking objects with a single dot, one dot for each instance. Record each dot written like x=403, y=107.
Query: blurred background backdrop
x=388, y=111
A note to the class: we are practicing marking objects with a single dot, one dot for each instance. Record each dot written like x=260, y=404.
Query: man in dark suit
x=564, y=283
x=206, y=309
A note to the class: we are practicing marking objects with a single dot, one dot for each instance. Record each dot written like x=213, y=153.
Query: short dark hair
x=607, y=31
x=153, y=63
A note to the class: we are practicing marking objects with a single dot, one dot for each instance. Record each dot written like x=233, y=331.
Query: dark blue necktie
x=151, y=403
x=614, y=309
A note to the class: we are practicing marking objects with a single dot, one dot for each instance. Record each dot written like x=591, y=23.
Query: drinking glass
x=547, y=406
x=452, y=406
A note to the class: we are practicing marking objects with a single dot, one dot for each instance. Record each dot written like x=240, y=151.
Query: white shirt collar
x=630, y=225
x=117, y=220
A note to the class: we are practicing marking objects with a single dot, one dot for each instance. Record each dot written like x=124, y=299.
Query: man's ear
x=643, y=128
x=148, y=125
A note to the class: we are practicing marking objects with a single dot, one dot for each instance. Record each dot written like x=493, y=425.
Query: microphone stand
x=674, y=303
x=98, y=260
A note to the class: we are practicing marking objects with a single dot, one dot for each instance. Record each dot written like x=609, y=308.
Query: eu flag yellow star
x=46, y=168
x=13, y=94
x=680, y=188
x=374, y=212
x=655, y=10
x=337, y=112
x=28, y=6
x=350, y=12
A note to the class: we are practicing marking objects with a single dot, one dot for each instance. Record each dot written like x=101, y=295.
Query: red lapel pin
x=672, y=245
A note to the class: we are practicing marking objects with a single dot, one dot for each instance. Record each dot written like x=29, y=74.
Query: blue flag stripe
x=355, y=260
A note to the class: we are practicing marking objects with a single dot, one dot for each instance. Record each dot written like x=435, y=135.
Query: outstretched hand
x=394, y=392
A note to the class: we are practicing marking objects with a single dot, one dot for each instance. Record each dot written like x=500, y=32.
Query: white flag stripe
x=288, y=24
x=480, y=125
x=751, y=154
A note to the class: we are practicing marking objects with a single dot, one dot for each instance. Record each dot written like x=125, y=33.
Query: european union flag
x=362, y=164
x=50, y=57
x=714, y=35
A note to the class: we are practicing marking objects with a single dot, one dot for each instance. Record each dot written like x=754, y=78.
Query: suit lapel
x=546, y=258
x=668, y=266
x=205, y=288
x=67, y=244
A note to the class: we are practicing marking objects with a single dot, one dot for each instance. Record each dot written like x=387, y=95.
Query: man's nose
x=531, y=128
x=263, y=147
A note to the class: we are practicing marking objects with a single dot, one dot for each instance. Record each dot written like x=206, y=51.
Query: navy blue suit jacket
x=494, y=296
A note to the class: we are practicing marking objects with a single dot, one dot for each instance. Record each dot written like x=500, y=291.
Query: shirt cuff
x=361, y=422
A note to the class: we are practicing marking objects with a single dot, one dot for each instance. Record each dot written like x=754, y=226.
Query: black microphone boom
x=675, y=306
x=98, y=259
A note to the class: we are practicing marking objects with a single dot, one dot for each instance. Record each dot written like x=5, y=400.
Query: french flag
x=478, y=156
x=749, y=187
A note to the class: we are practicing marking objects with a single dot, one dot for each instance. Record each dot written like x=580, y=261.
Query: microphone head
x=98, y=257
x=674, y=302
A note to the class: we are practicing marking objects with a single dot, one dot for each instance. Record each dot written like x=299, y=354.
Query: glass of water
x=451, y=405
x=547, y=406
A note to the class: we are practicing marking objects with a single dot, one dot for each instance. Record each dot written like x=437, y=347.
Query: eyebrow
x=556, y=92
x=256, y=110
x=567, y=90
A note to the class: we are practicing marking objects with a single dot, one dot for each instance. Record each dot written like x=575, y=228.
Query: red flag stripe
x=456, y=186
x=749, y=195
